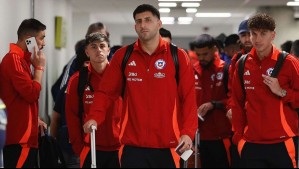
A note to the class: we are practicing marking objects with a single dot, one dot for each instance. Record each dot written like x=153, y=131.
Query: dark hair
x=295, y=48
x=30, y=27
x=144, y=8
x=96, y=26
x=96, y=36
x=165, y=33
x=231, y=40
x=80, y=53
x=205, y=40
x=286, y=46
x=261, y=21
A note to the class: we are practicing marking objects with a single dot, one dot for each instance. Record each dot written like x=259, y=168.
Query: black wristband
x=214, y=103
x=217, y=104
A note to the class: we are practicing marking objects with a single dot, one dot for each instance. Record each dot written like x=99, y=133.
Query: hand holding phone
x=186, y=154
x=31, y=43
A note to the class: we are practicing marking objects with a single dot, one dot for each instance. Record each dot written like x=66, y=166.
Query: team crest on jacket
x=160, y=64
x=219, y=76
x=269, y=71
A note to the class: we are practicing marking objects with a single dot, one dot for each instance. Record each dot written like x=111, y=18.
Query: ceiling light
x=164, y=10
x=167, y=4
x=180, y=0
x=293, y=3
x=184, y=23
x=167, y=20
x=190, y=4
x=213, y=15
x=185, y=19
x=191, y=10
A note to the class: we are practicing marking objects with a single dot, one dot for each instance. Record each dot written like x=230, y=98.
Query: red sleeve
x=238, y=113
x=187, y=96
x=21, y=79
x=231, y=71
x=72, y=116
x=292, y=96
x=109, y=89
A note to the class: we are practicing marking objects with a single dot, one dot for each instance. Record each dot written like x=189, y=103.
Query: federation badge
x=269, y=71
x=219, y=76
x=160, y=64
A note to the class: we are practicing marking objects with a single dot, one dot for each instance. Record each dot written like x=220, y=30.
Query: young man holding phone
x=20, y=90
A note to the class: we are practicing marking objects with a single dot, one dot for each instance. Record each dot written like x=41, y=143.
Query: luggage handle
x=93, y=146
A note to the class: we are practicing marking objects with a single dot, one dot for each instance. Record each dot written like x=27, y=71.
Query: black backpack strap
x=174, y=54
x=83, y=81
x=124, y=64
x=281, y=58
x=239, y=55
x=226, y=76
x=241, y=67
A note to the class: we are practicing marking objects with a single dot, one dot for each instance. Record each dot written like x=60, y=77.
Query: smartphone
x=177, y=149
x=185, y=155
x=31, y=43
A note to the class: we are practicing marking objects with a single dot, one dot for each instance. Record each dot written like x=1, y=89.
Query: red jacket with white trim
x=107, y=134
x=209, y=87
x=266, y=117
x=20, y=93
x=153, y=103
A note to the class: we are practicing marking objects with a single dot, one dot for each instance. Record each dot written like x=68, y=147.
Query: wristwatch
x=283, y=93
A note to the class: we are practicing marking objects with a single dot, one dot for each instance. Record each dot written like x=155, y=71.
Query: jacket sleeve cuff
x=289, y=97
x=190, y=134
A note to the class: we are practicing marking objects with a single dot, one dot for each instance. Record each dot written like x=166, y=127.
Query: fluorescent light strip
x=167, y=4
x=213, y=15
x=184, y=23
x=180, y=0
x=164, y=10
x=191, y=10
x=293, y=3
x=185, y=19
x=190, y=4
x=167, y=20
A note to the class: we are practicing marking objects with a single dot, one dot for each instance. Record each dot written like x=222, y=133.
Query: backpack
x=281, y=58
x=49, y=153
x=226, y=72
x=84, y=80
x=174, y=54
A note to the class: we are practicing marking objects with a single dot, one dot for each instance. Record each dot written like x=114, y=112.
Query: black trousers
x=136, y=157
x=213, y=154
x=104, y=159
x=12, y=154
x=268, y=155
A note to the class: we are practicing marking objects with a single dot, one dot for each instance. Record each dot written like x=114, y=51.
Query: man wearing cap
x=246, y=46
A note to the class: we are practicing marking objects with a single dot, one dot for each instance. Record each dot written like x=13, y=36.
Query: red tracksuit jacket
x=266, y=118
x=232, y=68
x=209, y=86
x=107, y=134
x=20, y=94
x=152, y=100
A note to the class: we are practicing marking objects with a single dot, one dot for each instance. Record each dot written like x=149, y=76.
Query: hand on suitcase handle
x=89, y=126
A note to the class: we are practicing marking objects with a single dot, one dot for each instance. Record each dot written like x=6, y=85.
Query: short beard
x=207, y=65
